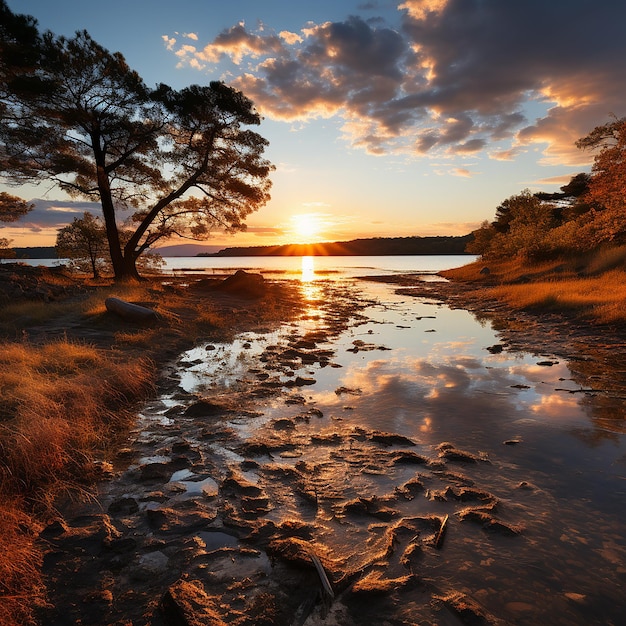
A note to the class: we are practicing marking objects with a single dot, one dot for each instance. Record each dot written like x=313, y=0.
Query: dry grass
x=21, y=587
x=60, y=404
x=70, y=375
x=593, y=287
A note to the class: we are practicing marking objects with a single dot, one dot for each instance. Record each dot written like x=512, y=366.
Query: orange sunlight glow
x=306, y=227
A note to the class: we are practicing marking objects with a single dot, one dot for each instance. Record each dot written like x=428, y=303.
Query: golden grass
x=21, y=586
x=593, y=287
x=60, y=400
x=60, y=403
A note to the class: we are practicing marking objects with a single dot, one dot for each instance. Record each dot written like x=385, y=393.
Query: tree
x=12, y=208
x=522, y=226
x=481, y=239
x=84, y=242
x=607, y=187
x=160, y=162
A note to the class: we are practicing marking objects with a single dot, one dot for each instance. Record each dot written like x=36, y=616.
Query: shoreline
x=591, y=349
x=596, y=352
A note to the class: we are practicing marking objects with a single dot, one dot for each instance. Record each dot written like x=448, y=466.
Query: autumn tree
x=84, y=243
x=161, y=162
x=521, y=228
x=607, y=187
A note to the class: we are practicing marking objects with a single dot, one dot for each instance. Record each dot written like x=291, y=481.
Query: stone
x=186, y=603
x=205, y=408
x=244, y=284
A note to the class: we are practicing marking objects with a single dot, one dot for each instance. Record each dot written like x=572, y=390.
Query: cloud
x=557, y=180
x=448, y=77
x=261, y=231
x=170, y=42
x=237, y=42
x=52, y=214
x=462, y=171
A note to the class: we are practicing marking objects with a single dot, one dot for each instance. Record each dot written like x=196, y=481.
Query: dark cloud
x=452, y=75
x=49, y=214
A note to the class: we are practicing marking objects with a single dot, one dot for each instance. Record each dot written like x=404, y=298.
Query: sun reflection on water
x=308, y=269
x=308, y=278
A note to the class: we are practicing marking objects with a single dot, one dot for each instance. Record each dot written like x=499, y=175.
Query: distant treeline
x=41, y=252
x=379, y=246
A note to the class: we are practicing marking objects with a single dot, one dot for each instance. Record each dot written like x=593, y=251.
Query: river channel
x=435, y=477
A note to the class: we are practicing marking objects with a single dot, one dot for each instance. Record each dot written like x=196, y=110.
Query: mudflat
x=297, y=470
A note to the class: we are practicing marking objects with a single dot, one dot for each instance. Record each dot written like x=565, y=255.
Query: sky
x=415, y=117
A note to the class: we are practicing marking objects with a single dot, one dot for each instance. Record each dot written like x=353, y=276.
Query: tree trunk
x=129, y=269
x=108, y=208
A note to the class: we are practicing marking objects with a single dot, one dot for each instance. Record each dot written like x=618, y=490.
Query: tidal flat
x=384, y=458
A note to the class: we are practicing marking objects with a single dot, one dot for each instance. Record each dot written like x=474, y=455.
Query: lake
x=295, y=267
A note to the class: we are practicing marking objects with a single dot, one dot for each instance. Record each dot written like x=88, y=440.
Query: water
x=295, y=267
x=545, y=479
x=318, y=266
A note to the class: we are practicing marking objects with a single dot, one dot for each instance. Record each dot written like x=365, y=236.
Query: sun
x=306, y=227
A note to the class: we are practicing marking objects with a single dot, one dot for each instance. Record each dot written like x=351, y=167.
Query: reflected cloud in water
x=447, y=398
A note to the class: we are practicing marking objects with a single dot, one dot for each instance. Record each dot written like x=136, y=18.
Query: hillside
x=358, y=247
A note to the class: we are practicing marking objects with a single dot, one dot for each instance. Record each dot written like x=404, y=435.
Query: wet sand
x=357, y=466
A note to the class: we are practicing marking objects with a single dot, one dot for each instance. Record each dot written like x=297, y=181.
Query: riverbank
x=71, y=376
x=190, y=316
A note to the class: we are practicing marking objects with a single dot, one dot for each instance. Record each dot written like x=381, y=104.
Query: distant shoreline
x=383, y=246
x=378, y=246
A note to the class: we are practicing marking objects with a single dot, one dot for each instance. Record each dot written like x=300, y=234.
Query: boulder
x=244, y=284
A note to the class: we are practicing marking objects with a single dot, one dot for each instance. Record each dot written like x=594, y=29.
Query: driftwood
x=328, y=590
x=129, y=311
x=441, y=533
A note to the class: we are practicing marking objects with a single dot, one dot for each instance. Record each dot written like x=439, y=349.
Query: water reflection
x=308, y=269
x=415, y=370
x=309, y=283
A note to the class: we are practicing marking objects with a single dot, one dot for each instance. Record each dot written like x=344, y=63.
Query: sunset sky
x=384, y=118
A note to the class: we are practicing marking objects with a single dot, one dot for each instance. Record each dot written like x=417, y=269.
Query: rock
x=54, y=529
x=156, y=471
x=244, y=284
x=485, y=271
x=205, y=408
x=167, y=520
x=391, y=439
x=300, y=381
x=406, y=457
x=186, y=603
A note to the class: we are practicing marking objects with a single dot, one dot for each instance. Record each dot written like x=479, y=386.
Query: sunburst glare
x=306, y=227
